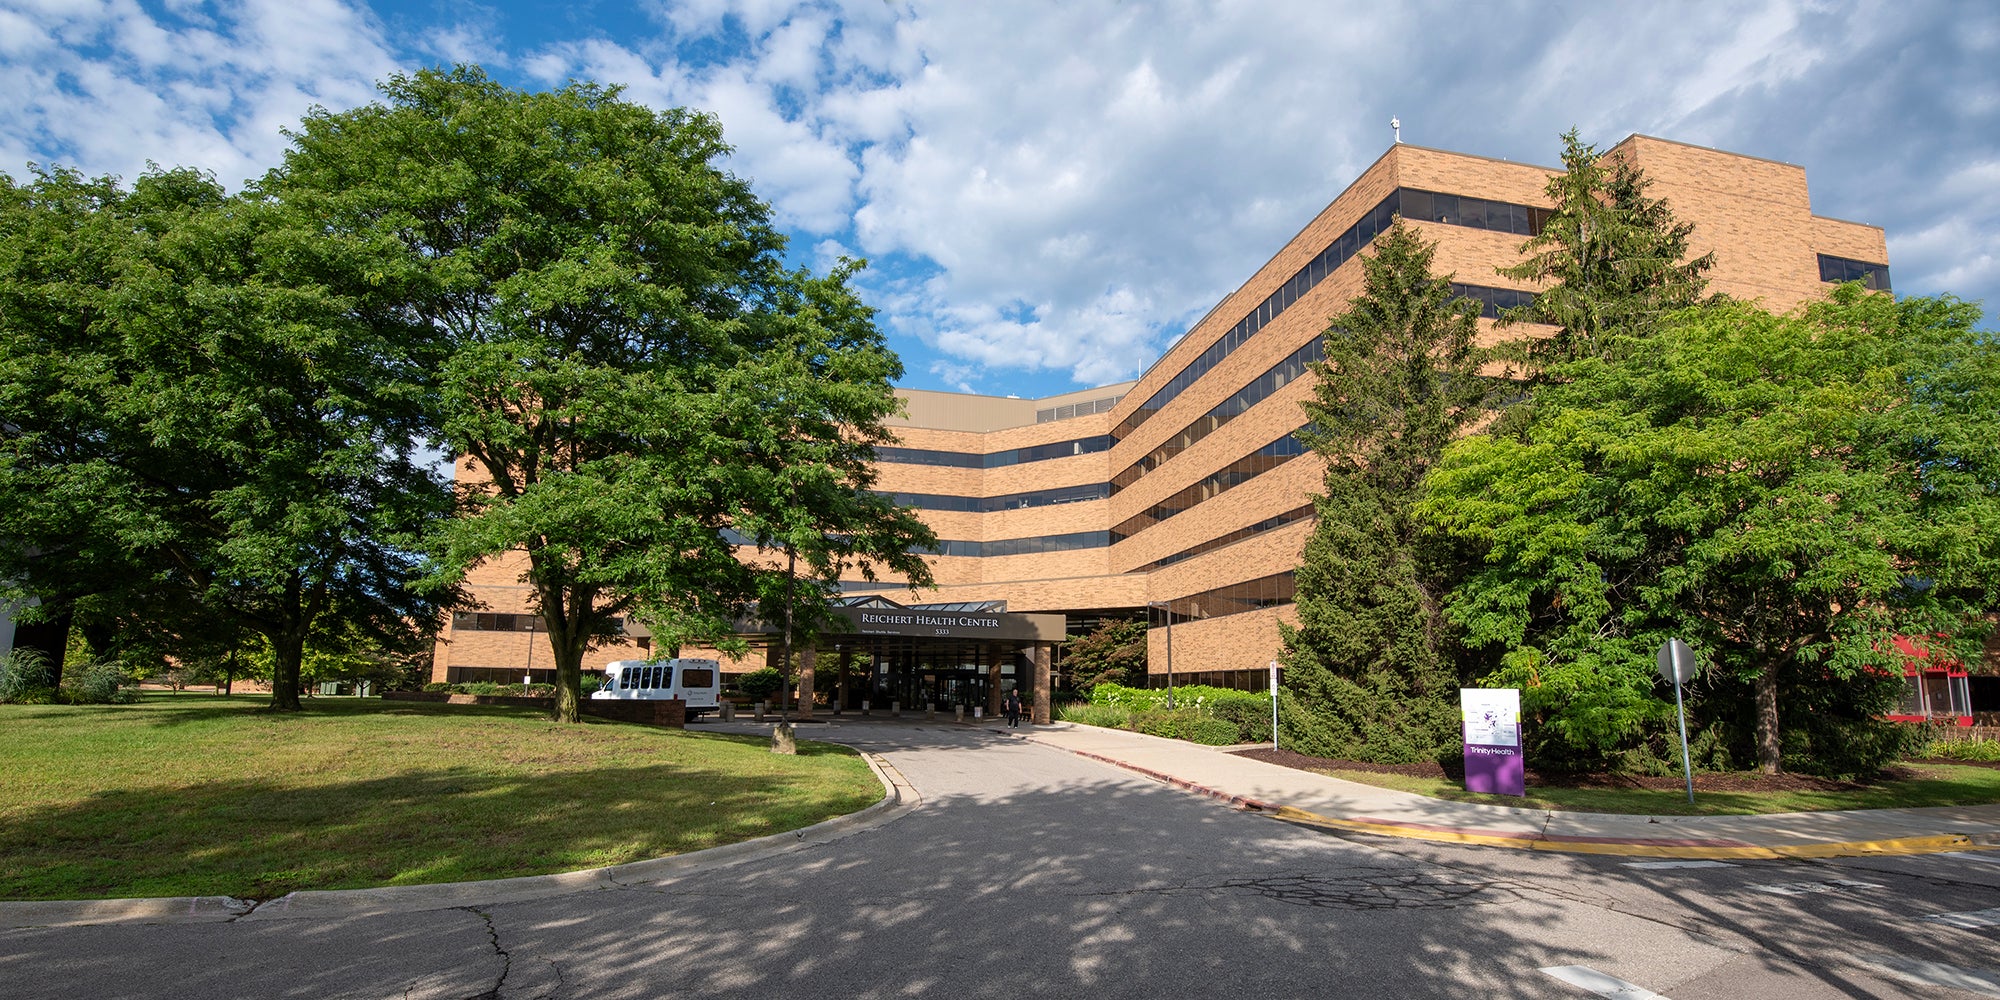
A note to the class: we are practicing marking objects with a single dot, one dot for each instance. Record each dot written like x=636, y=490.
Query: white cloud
x=210, y=88
x=1056, y=190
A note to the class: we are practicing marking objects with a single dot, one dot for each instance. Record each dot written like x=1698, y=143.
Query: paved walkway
x=1313, y=799
x=1285, y=793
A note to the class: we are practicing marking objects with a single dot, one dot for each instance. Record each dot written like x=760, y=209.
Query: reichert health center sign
x=921, y=623
x=1492, y=723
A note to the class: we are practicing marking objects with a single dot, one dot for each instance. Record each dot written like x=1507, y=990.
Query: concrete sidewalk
x=1316, y=800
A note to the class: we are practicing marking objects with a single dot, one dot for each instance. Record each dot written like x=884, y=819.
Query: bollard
x=958, y=713
x=978, y=711
x=930, y=711
x=864, y=706
x=895, y=710
x=760, y=712
x=728, y=709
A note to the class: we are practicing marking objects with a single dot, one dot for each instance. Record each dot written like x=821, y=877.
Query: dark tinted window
x=1874, y=277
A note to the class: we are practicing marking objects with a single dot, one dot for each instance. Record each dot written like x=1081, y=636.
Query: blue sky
x=1050, y=192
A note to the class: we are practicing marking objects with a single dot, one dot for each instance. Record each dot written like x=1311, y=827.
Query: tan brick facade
x=1754, y=214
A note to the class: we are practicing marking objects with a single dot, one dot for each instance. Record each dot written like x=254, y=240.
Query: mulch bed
x=1735, y=781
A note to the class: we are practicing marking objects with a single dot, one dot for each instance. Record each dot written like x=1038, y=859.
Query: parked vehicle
x=696, y=682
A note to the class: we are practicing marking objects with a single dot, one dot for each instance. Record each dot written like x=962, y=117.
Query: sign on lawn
x=1492, y=723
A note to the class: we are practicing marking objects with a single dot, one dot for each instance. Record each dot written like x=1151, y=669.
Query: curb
x=1690, y=849
x=897, y=799
x=1243, y=802
x=1614, y=846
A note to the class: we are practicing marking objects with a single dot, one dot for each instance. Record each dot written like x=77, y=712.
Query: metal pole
x=1170, y=655
x=1274, y=704
x=1687, y=767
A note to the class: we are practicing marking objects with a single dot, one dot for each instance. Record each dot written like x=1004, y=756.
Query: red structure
x=1937, y=688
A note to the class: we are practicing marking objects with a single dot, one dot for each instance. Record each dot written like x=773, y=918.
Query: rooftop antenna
x=1397, y=124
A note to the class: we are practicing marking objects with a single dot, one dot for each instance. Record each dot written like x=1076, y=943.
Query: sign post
x=1274, y=704
x=1676, y=662
x=1492, y=724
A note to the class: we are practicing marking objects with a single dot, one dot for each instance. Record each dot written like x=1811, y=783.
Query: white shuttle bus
x=697, y=682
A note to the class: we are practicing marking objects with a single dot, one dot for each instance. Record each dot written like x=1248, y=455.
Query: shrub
x=17, y=671
x=1189, y=724
x=1980, y=750
x=437, y=686
x=591, y=684
x=760, y=683
x=1246, y=713
x=1084, y=713
x=101, y=682
x=487, y=688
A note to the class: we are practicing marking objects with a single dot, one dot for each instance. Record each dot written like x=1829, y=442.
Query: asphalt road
x=1026, y=871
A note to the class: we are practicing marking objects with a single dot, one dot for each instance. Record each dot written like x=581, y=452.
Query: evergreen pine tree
x=1609, y=257
x=1369, y=665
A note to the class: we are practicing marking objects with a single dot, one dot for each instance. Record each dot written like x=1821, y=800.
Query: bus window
x=697, y=677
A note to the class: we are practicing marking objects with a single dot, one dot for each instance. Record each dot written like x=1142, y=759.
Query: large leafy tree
x=1112, y=653
x=200, y=438
x=639, y=383
x=1370, y=660
x=1784, y=493
x=1608, y=259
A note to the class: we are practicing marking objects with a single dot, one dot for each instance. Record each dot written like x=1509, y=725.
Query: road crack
x=506, y=960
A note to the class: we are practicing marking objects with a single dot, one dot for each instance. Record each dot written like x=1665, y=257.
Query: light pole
x=1167, y=609
x=530, y=672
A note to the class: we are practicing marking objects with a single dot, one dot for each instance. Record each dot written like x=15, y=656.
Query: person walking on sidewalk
x=1012, y=706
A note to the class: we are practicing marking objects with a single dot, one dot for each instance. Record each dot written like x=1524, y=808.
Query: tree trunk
x=568, y=652
x=808, y=662
x=1768, y=756
x=288, y=651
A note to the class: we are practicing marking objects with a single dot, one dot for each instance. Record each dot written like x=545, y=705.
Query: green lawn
x=202, y=795
x=1932, y=785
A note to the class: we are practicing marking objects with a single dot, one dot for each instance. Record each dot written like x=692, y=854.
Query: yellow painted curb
x=1851, y=848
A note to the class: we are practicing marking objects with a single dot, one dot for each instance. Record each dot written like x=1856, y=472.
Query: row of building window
x=1874, y=277
x=487, y=621
x=996, y=459
x=1410, y=203
x=1011, y=501
x=1262, y=387
x=1292, y=516
x=1019, y=546
x=1069, y=411
x=1472, y=213
x=1493, y=301
x=1235, y=599
x=1236, y=474
x=1091, y=540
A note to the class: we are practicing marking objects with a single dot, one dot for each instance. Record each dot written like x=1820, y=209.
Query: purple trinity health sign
x=1492, y=724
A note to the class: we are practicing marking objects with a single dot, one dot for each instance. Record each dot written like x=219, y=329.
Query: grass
x=1931, y=785
x=191, y=794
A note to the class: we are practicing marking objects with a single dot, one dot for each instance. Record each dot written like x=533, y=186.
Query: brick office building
x=1184, y=496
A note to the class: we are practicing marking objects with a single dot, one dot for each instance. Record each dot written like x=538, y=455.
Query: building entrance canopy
x=944, y=654
x=983, y=620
